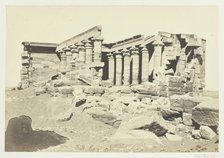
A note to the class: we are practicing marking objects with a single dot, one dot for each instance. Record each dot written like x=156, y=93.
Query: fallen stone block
x=185, y=103
x=39, y=90
x=77, y=91
x=58, y=83
x=172, y=137
x=116, y=108
x=138, y=108
x=147, y=101
x=187, y=119
x=94, y=90
x=153, y=123
x=66, y=116
x=65, y=90
x=93, y=99
x=206, y=132
x=207, y=113
x=140, y=135
x=126, y=100
x=79, y=100
x=196, y=134
x=102, y=115
x=170, y=114
x=104, y=104
x=161, y=103
x=106, y=83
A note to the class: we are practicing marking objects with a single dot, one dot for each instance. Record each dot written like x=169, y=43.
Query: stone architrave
x=145, y=64
x=111, y=67
x=118, y=72
x=135, y=65
x=89, y=52
x=126, y=55
x=97, y=48
x=68, y=54
x=158, y=44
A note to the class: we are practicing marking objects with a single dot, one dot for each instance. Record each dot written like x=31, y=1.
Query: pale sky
x=56, y=24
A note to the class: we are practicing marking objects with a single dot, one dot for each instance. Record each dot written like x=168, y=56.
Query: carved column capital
x=98, y=38
x=134, y=51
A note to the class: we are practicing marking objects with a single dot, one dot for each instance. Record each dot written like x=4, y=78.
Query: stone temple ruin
x=144, y=88
x=172, y=63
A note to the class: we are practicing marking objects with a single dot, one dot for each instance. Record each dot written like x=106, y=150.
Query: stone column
x=75, y=52
x=118, y=72
x=126, y=55
x=181, y=64
x=68, y=54
x=63, y=62
x=24, y=73
x=158, y=44
x=111, y=67
x=135, y=65
x=89, y=52
x=97, y=48
x=145, y=64
x=82, y=53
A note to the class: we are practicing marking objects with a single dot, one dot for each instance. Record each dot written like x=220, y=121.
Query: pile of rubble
x=163, y=108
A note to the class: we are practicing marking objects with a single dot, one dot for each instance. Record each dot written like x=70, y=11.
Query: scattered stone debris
x=207, y=113
x=173, y=137
x=187, y=119
x=207, y=133
x=79, y=100
x=40, y=90
x=66, y=116
x=196, y=134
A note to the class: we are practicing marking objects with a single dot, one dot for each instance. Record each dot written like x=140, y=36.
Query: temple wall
x=136, y=60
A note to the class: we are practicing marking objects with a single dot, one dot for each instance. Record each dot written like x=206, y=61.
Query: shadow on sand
x=20, y=136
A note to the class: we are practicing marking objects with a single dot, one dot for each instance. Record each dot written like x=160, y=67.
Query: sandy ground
x=83, y=132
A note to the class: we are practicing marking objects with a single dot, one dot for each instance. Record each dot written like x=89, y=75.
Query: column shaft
x=135, y=66
x=126, y=79
x=63, y=62
x=118, y=69
x=145, y=65
x=68, y=54
x=89, y=52
x=157, y=57
x=97, y=48
x=82, y=54
x=111, y=68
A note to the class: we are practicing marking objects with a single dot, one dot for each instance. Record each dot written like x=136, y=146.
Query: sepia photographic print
x=111, y=78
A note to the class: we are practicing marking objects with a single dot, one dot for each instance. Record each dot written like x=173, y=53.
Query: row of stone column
x=82, y=53
x=132, y=55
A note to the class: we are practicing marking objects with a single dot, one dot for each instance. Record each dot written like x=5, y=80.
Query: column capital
x=118, y=55
x=88, y=45
x=110, y=55
x=67, y=49
x=80, y=46
x=134, y=51
x=144, y=49
x=158, y=41
x=126, y=53
x=98, y=38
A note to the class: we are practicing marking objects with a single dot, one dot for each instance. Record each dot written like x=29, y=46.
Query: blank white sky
x=58, y=23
